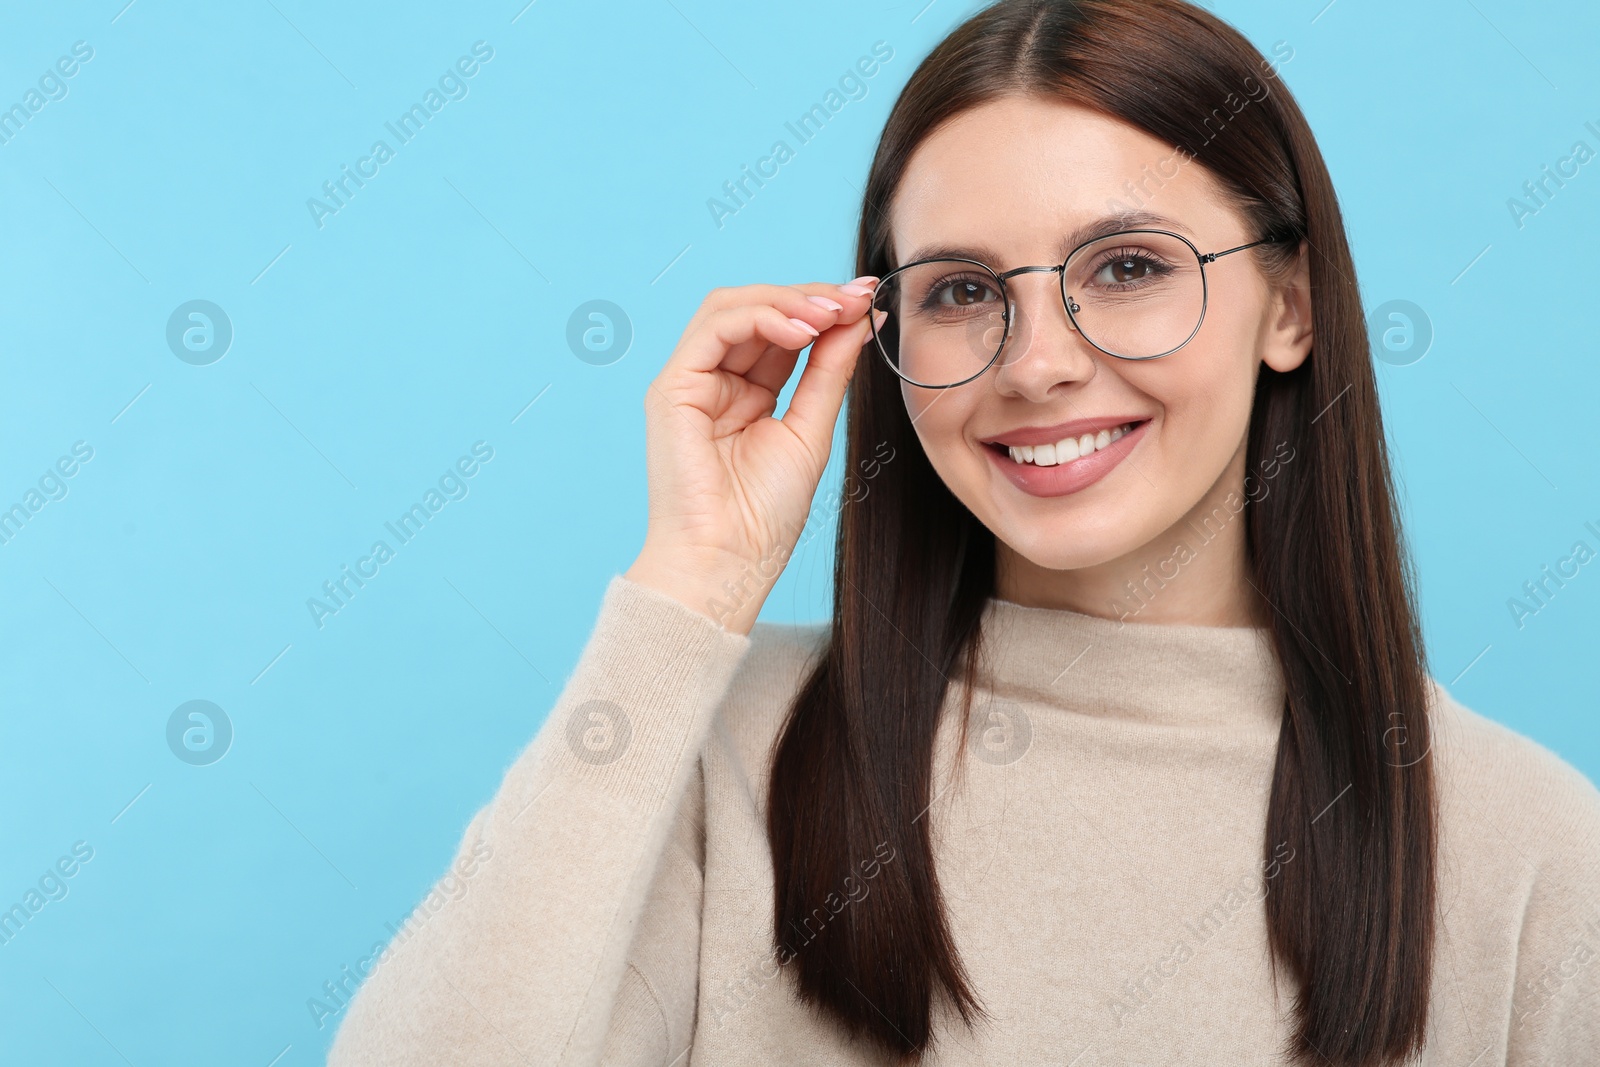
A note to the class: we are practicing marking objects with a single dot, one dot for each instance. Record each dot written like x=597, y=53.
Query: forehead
x=1014, y=175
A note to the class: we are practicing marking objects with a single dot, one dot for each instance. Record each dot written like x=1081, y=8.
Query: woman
x=1120, y=746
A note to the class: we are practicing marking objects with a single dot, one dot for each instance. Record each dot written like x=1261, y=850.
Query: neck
x=1196, y=572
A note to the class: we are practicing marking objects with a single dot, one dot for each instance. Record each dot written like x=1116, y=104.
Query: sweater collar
x=1216, y=677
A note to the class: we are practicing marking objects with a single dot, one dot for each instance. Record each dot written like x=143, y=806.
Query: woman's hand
x=730, y=486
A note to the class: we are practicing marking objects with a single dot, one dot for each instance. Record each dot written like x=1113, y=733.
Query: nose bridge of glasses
x=1057, y=269
x=1022, y=328
x=1013, y=272
x=1006, y=276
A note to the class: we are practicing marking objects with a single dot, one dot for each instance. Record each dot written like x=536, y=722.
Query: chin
x=1063, y=546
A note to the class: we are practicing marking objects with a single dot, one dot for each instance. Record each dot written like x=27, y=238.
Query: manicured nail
x=822, y=301
x=806, y=326
x=865, y=279
x=852, y=289
x=877, y=320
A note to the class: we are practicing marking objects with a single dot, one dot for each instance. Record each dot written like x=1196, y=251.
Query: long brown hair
x=1353, y=916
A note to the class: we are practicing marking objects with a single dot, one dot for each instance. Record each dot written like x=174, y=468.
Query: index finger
x=855, y=296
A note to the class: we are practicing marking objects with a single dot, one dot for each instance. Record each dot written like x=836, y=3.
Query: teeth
x=1068, y=449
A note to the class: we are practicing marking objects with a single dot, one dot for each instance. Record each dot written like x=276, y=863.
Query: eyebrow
x=1103, y=226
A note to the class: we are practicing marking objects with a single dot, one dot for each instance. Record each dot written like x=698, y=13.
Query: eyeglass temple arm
x=1212, y=257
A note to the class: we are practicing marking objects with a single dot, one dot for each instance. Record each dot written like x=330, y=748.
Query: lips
x=1046, y=446
x=1069, y=448
x=1048, y=435
x=1039, y=471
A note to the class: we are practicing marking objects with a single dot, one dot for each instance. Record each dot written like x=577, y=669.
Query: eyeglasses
x=1137, y=294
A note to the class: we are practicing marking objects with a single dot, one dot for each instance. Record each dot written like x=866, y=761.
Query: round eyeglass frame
x=1060, y=271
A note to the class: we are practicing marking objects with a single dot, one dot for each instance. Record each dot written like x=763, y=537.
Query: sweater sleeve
x=1555, y=1014
x=531, y=962
x=654, y=1019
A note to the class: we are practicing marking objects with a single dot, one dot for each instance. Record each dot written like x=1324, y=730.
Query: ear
x=1286, y=341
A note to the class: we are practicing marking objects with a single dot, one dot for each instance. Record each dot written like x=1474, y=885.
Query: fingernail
x=822, y=301
x=864, y=279
x=806, y=326
x=877, y=320
x=852, y=289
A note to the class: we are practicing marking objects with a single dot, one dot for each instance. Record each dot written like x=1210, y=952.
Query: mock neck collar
x=1220, y=677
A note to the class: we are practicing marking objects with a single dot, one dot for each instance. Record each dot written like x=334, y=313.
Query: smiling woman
x=1077, y=862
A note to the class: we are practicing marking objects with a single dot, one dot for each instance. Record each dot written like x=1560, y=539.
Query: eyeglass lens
x=1136, y=295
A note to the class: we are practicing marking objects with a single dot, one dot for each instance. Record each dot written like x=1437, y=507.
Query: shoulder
x=1513, y=789
x=779, y=659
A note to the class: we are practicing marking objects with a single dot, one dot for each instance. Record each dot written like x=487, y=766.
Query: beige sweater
x=1100, y=858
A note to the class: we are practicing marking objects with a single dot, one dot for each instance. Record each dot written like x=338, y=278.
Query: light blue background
x=426, y=315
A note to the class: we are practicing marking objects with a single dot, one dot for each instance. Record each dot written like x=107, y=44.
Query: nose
x=1043, y=348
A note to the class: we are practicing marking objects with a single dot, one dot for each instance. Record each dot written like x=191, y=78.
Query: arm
x=654, y=1019
x=533, y=962
x=528, y=965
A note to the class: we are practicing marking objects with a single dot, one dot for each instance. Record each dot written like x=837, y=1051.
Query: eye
x=1126, y=269
x=1130, y=267
x=964, y=292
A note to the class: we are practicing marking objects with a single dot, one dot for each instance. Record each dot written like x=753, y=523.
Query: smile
x=1068, y=448
x=1070, y=463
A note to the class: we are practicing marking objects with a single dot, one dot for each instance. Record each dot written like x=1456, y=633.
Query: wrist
x=728, y=591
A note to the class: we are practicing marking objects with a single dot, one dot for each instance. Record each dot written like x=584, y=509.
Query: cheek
x=940, y=418
x=1204, y=393
x=1210, y=384
x=916, y=402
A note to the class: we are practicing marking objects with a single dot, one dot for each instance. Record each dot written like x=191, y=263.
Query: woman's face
x=1017, y=182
